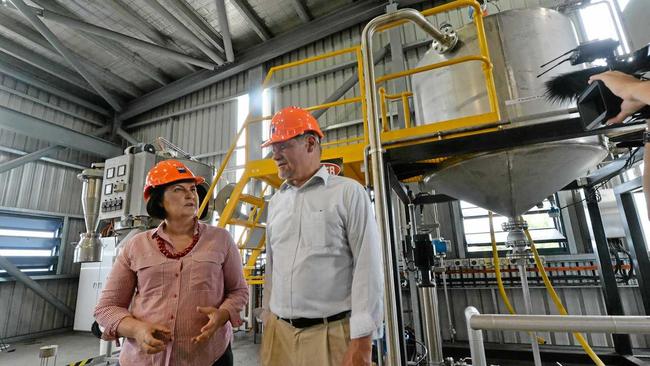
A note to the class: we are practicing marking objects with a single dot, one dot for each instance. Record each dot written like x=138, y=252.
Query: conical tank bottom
x=510, y=182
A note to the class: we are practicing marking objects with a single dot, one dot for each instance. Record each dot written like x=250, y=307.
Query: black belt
x=309, y=322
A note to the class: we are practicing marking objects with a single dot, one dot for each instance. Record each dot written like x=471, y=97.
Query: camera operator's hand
x=634, y=92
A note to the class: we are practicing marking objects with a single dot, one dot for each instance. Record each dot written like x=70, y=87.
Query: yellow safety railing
x=484, y=57
x=404, y=96
x=356, y=51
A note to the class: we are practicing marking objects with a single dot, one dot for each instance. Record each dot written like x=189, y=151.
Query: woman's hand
x=152, y=338
x=623, y=86
x=216, y=319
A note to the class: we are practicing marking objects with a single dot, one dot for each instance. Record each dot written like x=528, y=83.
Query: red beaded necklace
x=168, y=254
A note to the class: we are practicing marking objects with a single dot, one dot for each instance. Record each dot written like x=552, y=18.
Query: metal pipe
x=86, y=27
x=16, y=273
x=563, y=323
x=529, y=309
x=431, y=323
x=475, y=336
x=393, y=338
x=452, y=329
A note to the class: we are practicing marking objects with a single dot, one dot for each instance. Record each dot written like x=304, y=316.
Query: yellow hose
x=497, y=271
x=558, y=302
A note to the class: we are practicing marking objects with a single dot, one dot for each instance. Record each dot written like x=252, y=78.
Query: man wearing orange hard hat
x=323, y=293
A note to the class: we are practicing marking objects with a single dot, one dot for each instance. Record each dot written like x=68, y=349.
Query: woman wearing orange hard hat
x=176, y=291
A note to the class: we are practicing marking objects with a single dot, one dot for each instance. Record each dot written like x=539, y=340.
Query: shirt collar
x=321, y=175
x=160, y=232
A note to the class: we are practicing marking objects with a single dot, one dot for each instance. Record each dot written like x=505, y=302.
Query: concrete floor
x=76, y=346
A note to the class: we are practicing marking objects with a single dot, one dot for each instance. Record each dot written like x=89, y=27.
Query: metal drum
x=519, y=42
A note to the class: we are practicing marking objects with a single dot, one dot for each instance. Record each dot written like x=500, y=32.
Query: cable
x=497, y=271
x=558, y=303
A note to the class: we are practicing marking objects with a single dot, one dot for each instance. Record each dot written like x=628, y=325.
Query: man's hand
x=359, y=352
x=621, y=85
x=216, y=319
x=152, y=338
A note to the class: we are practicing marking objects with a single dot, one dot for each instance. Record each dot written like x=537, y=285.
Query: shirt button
x=175, y=296
x=176, y=275
x=171, y=317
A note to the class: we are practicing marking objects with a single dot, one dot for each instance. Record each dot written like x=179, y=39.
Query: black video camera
x=596, y=103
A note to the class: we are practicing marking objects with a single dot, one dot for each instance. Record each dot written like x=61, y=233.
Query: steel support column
x=634, y=236
x=613, y=302
x=255, y=110
x=13, y=271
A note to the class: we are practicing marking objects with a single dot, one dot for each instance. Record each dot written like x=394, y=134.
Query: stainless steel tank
x=519, y=42
x=511, y=181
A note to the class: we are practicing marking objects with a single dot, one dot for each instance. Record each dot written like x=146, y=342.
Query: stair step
x=246, y=223
x=253, y=200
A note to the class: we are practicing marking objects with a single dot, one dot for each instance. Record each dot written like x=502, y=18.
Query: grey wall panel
x=23, y=312
x=40, y=186
x=27, y=99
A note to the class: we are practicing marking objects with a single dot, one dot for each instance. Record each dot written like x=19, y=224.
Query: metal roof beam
x=302, y=10
x=222, y=16
x=107, y=33
x=252, y=18
x=63, y=50
x=181, y=28
x=62, y=163
x=40, y=129
x=135, y=20
x=201, y=24
x=30, y=75
x=113, y=47
x=36, y=38
x=24, y=54
x=303, y=35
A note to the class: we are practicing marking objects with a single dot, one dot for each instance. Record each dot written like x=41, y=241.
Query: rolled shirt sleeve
x=116, y=296
x=235, y=286
x=367, y=279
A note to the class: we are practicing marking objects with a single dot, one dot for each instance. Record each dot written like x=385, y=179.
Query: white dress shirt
x=322, y=253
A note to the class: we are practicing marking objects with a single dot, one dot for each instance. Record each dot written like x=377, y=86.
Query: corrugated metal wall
x=24, y=98
x=29, y=313
x=42, y=187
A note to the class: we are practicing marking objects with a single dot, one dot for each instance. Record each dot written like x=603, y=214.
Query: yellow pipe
x=406, y=108
x=558, y=303
x=362, y=92
x=497, y=269
x=497, y=272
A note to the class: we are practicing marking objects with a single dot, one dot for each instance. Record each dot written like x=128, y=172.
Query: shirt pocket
x=149, y=270
x=314, y=231
x=206, y=271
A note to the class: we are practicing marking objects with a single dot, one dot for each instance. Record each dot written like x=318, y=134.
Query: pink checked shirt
x=167, y=291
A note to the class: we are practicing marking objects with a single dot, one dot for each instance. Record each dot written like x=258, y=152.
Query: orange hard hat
x=291, y=122
x=168, y=171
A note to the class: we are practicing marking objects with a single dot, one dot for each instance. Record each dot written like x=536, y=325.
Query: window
x=601, y=21
x=547, y=231
x=30, y=242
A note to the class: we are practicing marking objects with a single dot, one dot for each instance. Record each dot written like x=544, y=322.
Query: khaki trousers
x=319, y=345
